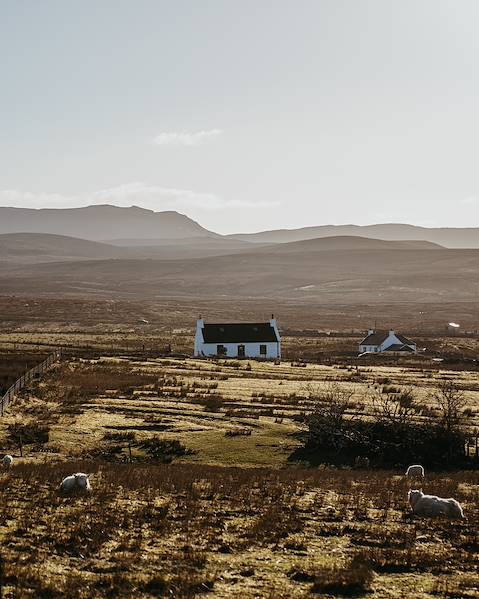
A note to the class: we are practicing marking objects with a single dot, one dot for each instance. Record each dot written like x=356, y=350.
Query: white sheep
x=7, y=461
x=415, y=472
x=430, y=505
x=78, y=482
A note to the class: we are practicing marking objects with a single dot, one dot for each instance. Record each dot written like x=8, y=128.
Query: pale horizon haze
x=245, y=116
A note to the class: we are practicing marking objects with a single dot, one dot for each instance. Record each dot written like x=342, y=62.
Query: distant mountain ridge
x=168, y=254
x=136, y=226
x=102, y=222
x=447, y=237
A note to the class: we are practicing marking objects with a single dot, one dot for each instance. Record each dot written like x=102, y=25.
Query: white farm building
x=386, y=341
x=238, y=340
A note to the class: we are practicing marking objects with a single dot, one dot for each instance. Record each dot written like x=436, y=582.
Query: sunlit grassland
x=187, y=530
x=229, y=412
x=234, y=516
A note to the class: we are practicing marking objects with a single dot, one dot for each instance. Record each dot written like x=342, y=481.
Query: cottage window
x=221, y=350
x=262, y=350
x=241, y=351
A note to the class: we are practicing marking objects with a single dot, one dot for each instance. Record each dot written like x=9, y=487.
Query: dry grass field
x=188, y=530
x=310, y=331
x=100, y=313
x=456, y=352
x=228, y=412
x=213, y=502
x=231, y=516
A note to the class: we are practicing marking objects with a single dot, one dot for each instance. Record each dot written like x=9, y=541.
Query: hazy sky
x=244, y=114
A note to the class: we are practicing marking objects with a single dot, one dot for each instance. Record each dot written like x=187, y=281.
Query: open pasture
x=228, y=412
x=233, y=515
x=190, y=530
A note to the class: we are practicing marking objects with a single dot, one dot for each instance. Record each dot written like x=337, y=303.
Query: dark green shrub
x=164, y=450
x=28, y=433
x=213, y=403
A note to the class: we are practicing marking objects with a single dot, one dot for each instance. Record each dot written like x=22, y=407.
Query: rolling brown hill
x=38, y=247
x=27, y=248
x=353, y=271
x=345, y=242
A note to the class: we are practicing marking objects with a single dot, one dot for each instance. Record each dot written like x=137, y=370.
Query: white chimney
x=200, y=325
x=274, y=325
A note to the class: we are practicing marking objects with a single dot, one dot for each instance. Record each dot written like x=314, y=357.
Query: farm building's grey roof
x=399, y=347
x=239, y=333
x=404, y=340
x=378, y=337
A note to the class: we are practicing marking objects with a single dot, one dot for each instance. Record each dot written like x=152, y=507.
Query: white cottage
x=238, y=340
x=386, y=341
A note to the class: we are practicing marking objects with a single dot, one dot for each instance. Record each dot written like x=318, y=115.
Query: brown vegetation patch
x=177, y=530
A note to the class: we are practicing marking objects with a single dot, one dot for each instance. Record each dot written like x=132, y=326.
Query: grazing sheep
x=78, y=482
x=415, y=472
x=430, y=505
x=7, y=461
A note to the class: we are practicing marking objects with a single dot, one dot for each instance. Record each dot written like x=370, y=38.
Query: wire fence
x=161, y=346
x=28, y=376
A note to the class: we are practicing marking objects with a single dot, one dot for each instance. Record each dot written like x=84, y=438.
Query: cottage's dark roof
x=375, y=338
x=378, y=337
x=239, y=333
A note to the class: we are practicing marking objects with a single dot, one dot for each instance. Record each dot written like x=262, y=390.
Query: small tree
x=164, y=450
x=27, y=433
x=397, y=409
x=327, y=419
x=451, y=401
x=331, y=402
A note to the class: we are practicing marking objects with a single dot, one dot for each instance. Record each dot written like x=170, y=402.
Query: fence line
x=27, y=377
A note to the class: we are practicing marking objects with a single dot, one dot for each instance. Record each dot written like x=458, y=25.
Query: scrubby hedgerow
x=118, y=446
x=394, y=436
x=28, y=432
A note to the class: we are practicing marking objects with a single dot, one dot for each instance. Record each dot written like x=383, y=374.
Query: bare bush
x=164, y=450
x=352, y=579
x=330, y=403
x=28, y=433
x=399, y=408
x=451, y=401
